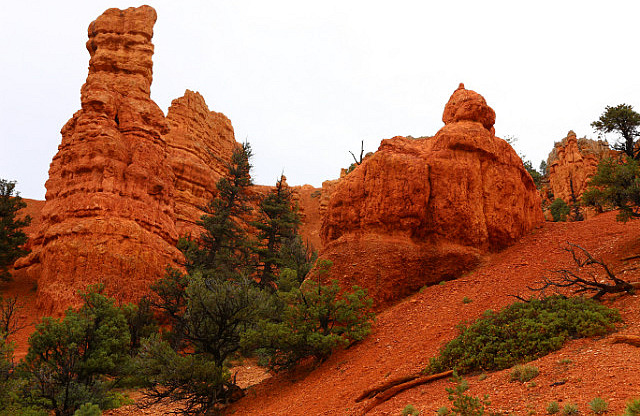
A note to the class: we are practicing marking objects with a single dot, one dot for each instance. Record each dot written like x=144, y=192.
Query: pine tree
x=224, y=247
x=279, y=223
x=616, y=185
x=12, y=238
x=623, y=120
x=74, y=360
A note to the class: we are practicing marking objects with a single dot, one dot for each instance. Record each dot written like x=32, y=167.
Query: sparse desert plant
x=598, y=405
x=88, y=409
x=633, y=408
x=570, y=409
x=565, y=361
x=553, y=408
x=466, y=300
x=522, y=332
x=559, y=210
x=443, y=411
x=463, y=404
x=524, y=373
x=409, y=410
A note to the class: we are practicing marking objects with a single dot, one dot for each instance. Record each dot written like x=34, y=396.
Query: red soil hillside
x=408, y=334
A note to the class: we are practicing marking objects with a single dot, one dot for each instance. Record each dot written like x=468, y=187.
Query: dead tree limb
x=584, y=278
x=627, y=339
x=386, y=391
x=358, y=162
x=372, y=392
x=10, y=323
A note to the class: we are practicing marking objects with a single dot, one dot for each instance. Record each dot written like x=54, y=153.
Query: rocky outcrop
x=571, y=164
x=419, y=211
x=108, y=216
x=200, y=143
x=126, y=181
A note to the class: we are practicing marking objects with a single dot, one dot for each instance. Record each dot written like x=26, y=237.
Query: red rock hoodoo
x=572, y=162
x=200, y=143
x=126, y=181
x=419, y=211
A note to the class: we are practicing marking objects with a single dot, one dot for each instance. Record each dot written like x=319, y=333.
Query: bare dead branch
x=9, y=321
x=358, y=161
x=390, y=389
x=584, y=279
x=627, y=339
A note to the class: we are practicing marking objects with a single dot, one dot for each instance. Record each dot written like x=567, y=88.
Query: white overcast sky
x=306, y=81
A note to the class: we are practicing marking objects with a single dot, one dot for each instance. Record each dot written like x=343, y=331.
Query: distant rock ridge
x=572, y=162
x=419, y=211
x=126, y=181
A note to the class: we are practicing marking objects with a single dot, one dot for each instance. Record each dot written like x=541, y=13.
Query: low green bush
x=88, y=409
x=570, y=409
x=559, y=210
x=461, y=403
x=409, y=410
x=524, y=373
x=522, y=332
x=633, y=408
x=598, y=405
x=553, y=408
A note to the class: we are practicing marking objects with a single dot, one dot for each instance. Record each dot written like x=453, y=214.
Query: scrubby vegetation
x=409, y=410
x=461, y=403
x=522, y=332
x=524, y=373
x=553, y=408
x=633, y=408
x=559, y=210
x=616, y=185
x=598, y=405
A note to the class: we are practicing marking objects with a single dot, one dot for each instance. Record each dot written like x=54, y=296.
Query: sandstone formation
x=200, y=143
x=572, y=162
x=419, y=211
x=126, y=181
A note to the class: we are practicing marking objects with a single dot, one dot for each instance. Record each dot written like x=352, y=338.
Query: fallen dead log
x=627, y=339
x=386, y=391
x=372, y=392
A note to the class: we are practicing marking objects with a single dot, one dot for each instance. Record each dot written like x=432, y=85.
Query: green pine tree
x=12, y=238
x=223, y=249
x=623, y=120
x=75, y=360
x=278, y=224
x=616, y=185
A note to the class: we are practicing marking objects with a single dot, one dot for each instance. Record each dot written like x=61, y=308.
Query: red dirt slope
x=408, y=334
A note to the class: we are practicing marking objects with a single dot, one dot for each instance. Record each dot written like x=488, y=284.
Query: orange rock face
x=200, y=143
x=572, y=162
x=108, y=216
x=419, y=211
x=126, y=181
